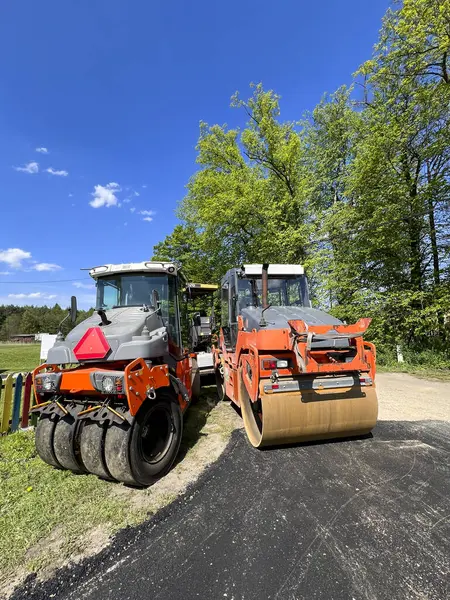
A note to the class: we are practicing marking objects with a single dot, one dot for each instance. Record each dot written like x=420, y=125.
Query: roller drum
x=302, y=416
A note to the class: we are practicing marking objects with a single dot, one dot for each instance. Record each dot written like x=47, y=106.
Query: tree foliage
x=34, y=319
x=358, y=190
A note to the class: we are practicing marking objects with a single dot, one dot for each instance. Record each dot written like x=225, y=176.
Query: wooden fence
x=16, y=399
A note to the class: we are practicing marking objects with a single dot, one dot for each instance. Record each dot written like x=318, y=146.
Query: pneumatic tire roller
x=112, y=394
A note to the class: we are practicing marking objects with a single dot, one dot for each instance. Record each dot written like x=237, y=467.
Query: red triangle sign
x=93, y=345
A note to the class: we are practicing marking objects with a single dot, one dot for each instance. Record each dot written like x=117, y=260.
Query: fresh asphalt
x=349, y=520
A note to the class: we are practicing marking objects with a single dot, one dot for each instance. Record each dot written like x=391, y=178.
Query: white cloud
x=53, y=171
x=136, y=193
x=14, y=257
x=144, y=186
x=132, y=209
x=34, y=295
x=127, y=200
x=42, y=150
x=105, y=195
x=46, y=267
x=5, y=273
x=147, y=215
x=31, y=167
x=84, y=286
x=70, y=195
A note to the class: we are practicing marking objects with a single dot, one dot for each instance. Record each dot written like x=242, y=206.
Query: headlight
x=108, y=385
x=111, y=382
x=46, y=383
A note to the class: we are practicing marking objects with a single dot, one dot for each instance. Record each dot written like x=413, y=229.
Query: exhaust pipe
x=265, y=285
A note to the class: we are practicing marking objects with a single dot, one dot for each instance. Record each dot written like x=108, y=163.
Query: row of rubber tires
x=136, y=454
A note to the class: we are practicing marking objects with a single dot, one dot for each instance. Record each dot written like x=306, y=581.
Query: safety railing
x=16, y=400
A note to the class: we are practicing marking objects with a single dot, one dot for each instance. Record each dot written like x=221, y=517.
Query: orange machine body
x=139, y=380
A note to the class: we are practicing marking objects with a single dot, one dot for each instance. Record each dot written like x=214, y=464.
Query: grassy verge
x=19, y=357
x=427, y=364
x=50, y=517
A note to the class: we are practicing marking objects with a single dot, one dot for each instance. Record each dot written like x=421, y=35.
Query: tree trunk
x=434, y=246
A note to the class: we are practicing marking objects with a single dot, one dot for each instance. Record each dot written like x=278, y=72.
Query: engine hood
x=132, y=333
x=277, y=317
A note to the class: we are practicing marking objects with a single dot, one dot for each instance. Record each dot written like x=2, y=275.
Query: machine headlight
x=108, y=385
x=47, y=383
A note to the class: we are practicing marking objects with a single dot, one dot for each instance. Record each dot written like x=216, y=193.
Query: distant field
x=18, y=357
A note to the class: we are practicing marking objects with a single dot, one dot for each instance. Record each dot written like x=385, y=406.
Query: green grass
x=19, y=357
x=35, y=499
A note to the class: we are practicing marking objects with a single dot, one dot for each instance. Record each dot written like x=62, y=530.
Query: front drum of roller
x=291, y=417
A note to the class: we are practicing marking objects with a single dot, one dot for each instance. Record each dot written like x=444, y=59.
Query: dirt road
x=365, y=519
x=402, y=397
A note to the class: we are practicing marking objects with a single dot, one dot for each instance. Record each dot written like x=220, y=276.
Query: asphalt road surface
x=350, y=520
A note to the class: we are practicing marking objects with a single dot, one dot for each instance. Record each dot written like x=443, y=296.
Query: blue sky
x=100, y=104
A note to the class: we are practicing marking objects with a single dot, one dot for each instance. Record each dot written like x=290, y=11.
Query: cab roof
x=139, y=267
x=273, y=270
x=194, y=290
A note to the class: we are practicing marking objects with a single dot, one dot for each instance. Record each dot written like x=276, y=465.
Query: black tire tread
x=117, y=457
x=120, y=457
x=92, y=441
x=44, y=434
x=66, y=442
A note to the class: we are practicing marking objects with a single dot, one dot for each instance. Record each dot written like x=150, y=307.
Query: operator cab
x=200, y=297
x=145, y=285
x=201, y=323
x=242, y=293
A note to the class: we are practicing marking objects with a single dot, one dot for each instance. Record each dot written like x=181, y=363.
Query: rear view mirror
x=73, y=311
x=155, y=299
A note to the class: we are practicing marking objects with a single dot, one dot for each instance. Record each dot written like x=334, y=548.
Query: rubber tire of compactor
x=66, y=441
x=140, y=454
x=43, y=439
x=57, y=439
x=292, y=417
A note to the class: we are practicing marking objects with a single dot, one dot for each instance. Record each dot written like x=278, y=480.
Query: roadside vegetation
x=427, y=364
x=34, y=319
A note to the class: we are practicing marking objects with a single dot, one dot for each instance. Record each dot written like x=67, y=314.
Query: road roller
x=112, y=394
x=297, y=373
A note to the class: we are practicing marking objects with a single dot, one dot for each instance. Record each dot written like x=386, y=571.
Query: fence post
x=7, y=401
x=26, y=400
x=34, y=416
x=16, y=404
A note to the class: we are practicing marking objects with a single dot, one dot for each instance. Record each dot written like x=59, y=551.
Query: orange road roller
x=297, y=373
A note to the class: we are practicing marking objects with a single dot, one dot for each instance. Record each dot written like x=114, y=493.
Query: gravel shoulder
x=403, y=397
